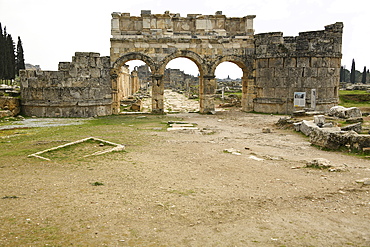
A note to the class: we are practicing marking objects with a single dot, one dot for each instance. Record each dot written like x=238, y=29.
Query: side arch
x=135, y=56
x=244, y=63
x=248, y=80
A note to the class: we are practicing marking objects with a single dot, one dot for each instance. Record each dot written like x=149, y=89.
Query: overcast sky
x=52, y=31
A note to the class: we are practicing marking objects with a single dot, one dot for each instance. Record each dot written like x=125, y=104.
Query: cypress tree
x=9, y=58
x=353, y=72
x=20, y=57
x=364, y=76
x=2, y=53
x=341, y=75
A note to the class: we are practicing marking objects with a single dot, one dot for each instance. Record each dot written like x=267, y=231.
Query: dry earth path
x=182, y=189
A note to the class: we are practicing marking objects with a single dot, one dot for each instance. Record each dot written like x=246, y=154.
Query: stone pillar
x=248, y=92
x=157, y=94
x=115, y=101
x=207, y=91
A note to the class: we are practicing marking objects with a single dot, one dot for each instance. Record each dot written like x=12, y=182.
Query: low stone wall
x=81, y=88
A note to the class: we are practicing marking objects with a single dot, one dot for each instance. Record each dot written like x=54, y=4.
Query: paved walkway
x=174, y=102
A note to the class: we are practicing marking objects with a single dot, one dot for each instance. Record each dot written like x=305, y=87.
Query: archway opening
x=134, y=86
x=229, y=85
x=181, y=86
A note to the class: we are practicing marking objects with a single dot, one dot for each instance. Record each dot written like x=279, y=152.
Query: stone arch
x=194, y=57
x=248, y=82
x=243, y=63
x=115, y=74
x=135, y=56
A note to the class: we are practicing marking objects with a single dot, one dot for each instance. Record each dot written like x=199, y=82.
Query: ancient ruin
x=274, y=67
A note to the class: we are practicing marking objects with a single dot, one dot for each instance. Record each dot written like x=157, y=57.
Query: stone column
x=248, y=94
x=157, y=94
x=115, y=102
x=207, y=89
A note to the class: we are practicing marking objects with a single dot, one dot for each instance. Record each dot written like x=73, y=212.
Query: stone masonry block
x=290, y=62
x=295, y=72
x=303, y=62
x=276, y=62
x=310, y=72
x=263, y=63
x=282, y=72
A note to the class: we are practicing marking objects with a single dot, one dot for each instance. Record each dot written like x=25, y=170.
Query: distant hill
x=32, y=67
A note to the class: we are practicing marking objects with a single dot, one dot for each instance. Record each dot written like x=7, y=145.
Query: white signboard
x=299, y=99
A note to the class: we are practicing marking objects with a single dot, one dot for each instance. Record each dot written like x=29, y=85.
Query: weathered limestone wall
x=81, y=88
x=285, y=65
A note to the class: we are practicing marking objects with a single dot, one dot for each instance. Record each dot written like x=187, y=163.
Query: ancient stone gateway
x=274, y=67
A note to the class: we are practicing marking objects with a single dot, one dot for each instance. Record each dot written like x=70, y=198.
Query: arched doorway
x=229, y=84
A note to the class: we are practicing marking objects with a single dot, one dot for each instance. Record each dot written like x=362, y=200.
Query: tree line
x=353, y=75
x=11, y=57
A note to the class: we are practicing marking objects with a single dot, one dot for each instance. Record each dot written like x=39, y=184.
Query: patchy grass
x=97, y=184
x=129, y=130
x=355, y=98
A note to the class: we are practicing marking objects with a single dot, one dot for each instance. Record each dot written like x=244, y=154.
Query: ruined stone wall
x=81, y=88
x=285, y=65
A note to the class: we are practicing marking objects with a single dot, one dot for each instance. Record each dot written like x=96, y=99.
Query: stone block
x=276, y=62
x=310, y=72
x=307, y=127
x=303, y=62
x=343, y=112
x=359, y=143
x=319, y=120
x=330, y=138
x=295, y=72
x=357, y=127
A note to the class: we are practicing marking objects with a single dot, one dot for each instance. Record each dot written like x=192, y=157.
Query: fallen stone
x=181, y=128
x=319, y=163
x=232, y=151
x=343, y=112
x=338, y=169
x=359, y=142
x=266, y=130
x=255, y=158
x=328, y=125
x=319, y=120
x=297, y=126
x=365, y=181
x=180, y=125
x=307, y=127
x=331, y=138
x=354, y=120
x=357, y=127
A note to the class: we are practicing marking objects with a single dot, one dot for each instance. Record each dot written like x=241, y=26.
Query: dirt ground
x=182, y=189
